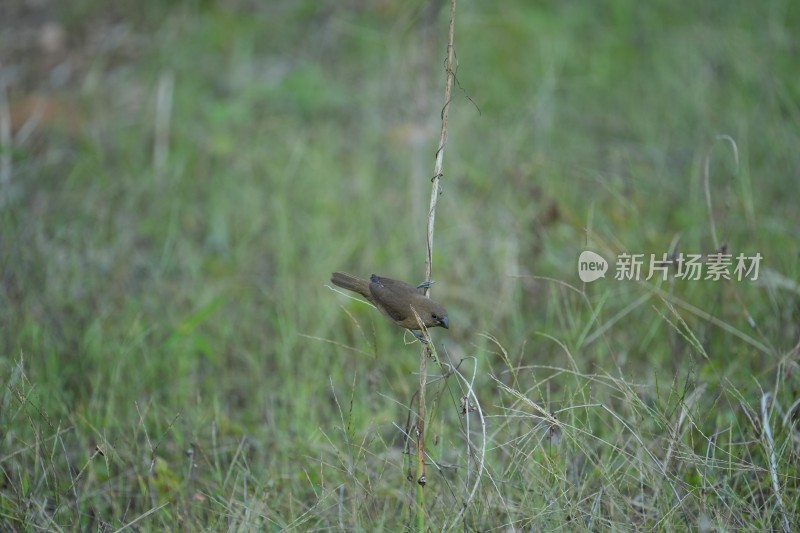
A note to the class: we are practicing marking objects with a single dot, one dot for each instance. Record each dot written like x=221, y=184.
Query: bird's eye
x=434, y=316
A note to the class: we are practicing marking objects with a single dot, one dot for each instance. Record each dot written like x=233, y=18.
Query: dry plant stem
x=687, y=406
x=435, y=189
x=712, y=224
x=5, y=138
x=707, y=187
x=471, y=401
x=766, y=400
x=437, y=172
x=166, y=84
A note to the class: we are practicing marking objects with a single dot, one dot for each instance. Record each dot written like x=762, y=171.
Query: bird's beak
x=444, y=322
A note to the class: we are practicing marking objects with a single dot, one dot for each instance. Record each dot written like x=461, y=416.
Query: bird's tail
x=351, y=283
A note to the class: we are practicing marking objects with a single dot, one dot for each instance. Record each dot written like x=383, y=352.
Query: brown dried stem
x=435, y=191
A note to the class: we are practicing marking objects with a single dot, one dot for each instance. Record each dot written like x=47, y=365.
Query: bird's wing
x=394, y=285
x=392, y=296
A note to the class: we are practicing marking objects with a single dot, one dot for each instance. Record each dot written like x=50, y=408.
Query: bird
x=396, y=299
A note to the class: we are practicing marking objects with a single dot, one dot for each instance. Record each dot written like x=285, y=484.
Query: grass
x=171, y=356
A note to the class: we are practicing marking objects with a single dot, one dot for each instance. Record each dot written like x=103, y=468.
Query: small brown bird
x=395, y=299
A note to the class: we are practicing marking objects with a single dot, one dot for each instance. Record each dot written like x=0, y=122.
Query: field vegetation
x=179, y=179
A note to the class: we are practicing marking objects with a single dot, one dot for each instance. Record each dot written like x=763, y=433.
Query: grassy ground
x=184, y=178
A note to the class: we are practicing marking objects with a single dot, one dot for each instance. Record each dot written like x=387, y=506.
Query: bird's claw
x=419, y=337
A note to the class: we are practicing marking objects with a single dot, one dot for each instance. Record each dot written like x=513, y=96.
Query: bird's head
x=435, y=315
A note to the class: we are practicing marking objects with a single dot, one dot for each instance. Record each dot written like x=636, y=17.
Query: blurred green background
x=182, y=178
